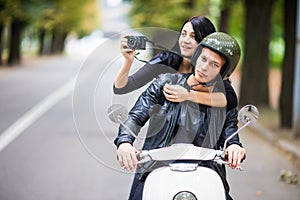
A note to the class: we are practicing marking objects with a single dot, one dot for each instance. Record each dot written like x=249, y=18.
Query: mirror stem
x=229, y=138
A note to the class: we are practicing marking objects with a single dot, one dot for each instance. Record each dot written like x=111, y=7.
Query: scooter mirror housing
x=248, y=113
x=117, y=113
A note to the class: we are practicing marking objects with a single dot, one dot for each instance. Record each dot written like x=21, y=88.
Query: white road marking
x=16, y=129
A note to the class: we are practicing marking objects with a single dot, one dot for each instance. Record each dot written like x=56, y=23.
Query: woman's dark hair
x=202, y=27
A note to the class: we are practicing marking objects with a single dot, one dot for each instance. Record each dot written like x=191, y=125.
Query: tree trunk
x=255, y=71
x=58, y=42
x=62, y=44
x=15, y=42
x=1, y=43
x=287, y=87
x=42, y=34
x=190, y=3
x=225, y=15
x=224, y=19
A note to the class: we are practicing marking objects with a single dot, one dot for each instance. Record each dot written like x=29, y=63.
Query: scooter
x=182, y=179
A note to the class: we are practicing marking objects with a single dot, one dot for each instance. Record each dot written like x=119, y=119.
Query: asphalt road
x=66, y=151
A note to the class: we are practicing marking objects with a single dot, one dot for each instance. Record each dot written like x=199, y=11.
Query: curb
x=279, y=142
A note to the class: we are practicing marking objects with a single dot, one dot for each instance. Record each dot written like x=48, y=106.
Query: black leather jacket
x=178, y=122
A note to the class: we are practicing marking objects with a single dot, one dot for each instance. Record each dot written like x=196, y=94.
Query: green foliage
x=276, y=49
x=14, y=9
x=171, y=14
x=156, y=13
x=90, y=19
x=237, y=18
x=237, y=25
x=26, y=11
x=61, y=14
x=64, y=15
x=277, y=45
x=237, y=22
x=43, y=19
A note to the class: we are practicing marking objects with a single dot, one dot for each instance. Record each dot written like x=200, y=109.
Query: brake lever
x=219, y=159
x=143, y=157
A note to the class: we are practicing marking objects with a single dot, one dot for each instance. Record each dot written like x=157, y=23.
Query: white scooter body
x=165, y=183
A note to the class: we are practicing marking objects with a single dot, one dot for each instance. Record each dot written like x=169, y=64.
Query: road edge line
x=25, y=121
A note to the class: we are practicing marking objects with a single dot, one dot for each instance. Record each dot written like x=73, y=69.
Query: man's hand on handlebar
x=235, y=154
x=127, y=156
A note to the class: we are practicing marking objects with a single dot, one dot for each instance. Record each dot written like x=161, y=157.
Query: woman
x=192, y=32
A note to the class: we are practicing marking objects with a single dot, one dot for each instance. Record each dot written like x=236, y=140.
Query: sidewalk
x=267, y=125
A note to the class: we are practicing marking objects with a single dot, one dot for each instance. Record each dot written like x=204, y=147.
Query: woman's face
x=187, y=42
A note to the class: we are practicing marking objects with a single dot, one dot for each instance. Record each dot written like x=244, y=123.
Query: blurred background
x=44, y=43
x=266, y=31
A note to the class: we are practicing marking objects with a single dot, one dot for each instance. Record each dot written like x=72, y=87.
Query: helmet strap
x=205, y=84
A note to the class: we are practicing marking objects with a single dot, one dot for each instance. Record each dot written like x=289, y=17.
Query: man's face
x=187, y=40
x=208, y=65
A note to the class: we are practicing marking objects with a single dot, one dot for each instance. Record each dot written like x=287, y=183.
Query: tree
x=53, y=19
x=44, y=25
x=287, y=85
x=255, y=71
x=60, y=17
x=166, y=14
x=1, y=42
x=226, y=6
x=2, y=24
x=18, y=20
x=16, y=29
x=17, y=14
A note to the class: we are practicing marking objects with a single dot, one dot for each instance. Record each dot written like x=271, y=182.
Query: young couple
x=197, y=104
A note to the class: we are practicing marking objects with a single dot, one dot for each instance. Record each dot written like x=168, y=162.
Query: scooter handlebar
x=183, y=152
x=179, y=152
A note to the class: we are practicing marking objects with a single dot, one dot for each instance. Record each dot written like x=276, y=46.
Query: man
x=215, y=59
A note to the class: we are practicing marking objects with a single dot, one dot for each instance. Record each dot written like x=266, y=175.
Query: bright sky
x=113, y=3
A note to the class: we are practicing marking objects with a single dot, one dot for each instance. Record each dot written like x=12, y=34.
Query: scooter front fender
x=165, y=184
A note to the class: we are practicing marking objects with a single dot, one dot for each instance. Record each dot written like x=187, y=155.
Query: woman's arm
x=177, y=93
x=160, y=64
x=214, y=99
x=140, y=78
x=121, y=79
x=128, y=54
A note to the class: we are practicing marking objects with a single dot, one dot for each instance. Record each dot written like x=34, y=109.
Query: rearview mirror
x=117, y=113
x=248, y=113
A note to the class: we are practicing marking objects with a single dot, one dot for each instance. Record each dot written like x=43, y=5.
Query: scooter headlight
x=185, y=195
